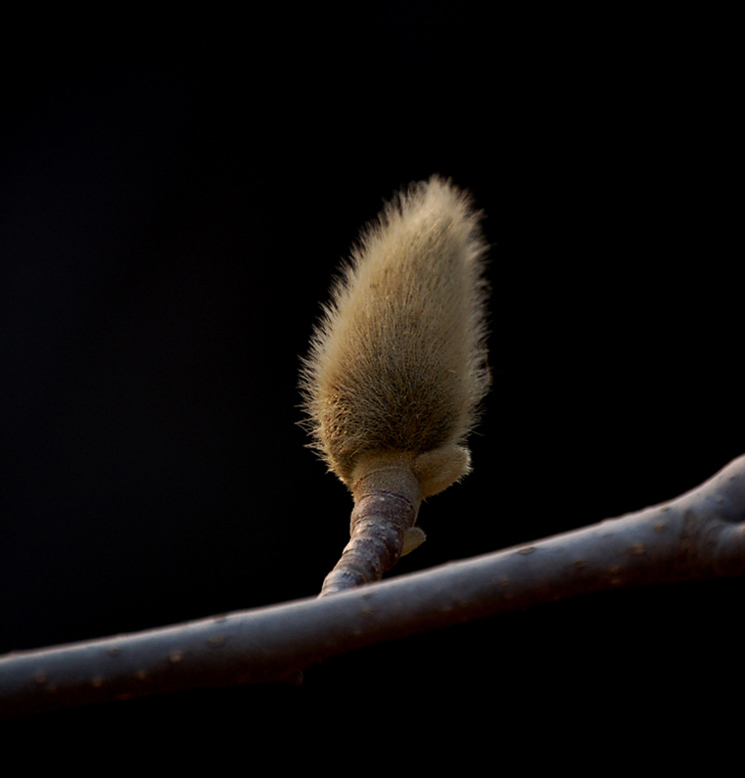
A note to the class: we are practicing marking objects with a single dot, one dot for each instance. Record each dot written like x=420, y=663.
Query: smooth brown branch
x=698, y=535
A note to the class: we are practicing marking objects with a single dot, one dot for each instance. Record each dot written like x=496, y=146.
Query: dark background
x=177, y=194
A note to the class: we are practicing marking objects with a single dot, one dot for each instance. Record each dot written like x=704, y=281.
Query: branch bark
x=698, y=535
x=386, y=502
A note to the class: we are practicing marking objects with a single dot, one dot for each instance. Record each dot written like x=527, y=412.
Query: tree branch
x=698, y=535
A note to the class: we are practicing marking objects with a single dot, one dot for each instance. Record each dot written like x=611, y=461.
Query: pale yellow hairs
x=397, y=366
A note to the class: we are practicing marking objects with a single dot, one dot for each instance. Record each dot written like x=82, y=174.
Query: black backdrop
x=176, y=197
